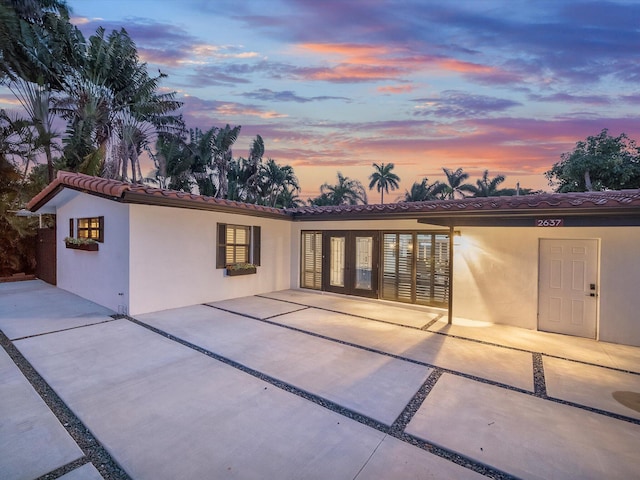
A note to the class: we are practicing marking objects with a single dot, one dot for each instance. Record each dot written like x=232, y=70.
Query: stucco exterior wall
x=102, y=276
x=173, y=258
x=155, y=258
x=496, y=277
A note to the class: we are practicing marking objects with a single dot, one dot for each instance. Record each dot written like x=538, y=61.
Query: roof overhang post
x=450, y=308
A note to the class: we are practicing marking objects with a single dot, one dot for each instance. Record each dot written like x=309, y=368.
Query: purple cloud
x=453, y=103
x=268, y=95
x=598, y=100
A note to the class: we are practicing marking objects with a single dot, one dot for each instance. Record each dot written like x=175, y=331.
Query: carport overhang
x=537, y=218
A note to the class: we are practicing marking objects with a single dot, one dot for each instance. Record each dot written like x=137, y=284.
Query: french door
x=350, y=263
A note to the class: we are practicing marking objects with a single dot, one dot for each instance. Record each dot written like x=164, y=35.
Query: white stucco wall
x=496, y=277
x=102, y=276
x=155, y=258
x=173, y=258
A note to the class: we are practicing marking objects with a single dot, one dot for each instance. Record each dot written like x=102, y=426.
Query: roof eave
x=146, y=199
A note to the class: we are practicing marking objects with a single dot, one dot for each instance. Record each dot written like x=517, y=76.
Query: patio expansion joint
x=431, y=323
x=445, y=334
x=92, y=449
x=63, y=330
x=63, y=470
x=336, y=408
x=535, y=393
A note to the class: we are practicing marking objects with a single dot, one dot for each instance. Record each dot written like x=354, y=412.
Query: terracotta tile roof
x=583, y=202
x=133, y=193
x=623, y=199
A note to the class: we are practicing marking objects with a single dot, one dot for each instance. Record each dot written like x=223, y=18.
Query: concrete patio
x=297, y=384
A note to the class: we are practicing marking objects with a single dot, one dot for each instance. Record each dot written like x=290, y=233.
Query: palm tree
x=38, y=49
x=113, y=108
x=485, y=187
x=172, y=160
x=383, y=179
x=201, y=161
x=222, y=156
x=422, y=191
x=275, y=180
x=289, y=198
x=253, y=169
x=454, y=181
x=345, y=192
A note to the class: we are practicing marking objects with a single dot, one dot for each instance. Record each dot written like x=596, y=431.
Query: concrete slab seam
x=63, y=470
x=62, y=330
x=93, y=450
x=445, y=370
x=334, y=407
x=369, y=458
x=444, y=334
x=286, y=313
x=427, y=326
x=539, y=383
x=355, y=315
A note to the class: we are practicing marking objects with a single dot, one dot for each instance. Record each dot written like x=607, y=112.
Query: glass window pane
x=364, y=251
x=336, y=262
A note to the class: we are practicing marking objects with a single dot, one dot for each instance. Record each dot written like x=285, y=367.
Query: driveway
x=298, y=384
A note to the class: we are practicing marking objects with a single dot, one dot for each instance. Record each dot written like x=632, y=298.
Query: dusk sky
x=336, y=85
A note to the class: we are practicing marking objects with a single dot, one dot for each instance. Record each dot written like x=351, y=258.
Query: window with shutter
x=91, y=228
x=237, y=244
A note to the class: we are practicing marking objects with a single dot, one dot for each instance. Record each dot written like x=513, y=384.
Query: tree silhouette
x=383, y=179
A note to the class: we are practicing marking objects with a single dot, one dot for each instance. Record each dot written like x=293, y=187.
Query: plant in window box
x=88, y=244
x=235, y=269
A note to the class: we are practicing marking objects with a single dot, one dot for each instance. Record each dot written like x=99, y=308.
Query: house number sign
x=549, y=222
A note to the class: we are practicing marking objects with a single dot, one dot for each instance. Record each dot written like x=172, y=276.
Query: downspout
x=450, y=309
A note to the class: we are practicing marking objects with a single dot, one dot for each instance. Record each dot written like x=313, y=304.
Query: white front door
x=568, y=287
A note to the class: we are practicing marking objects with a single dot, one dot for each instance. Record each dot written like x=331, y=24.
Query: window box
x=236, y=270
x=89, y=247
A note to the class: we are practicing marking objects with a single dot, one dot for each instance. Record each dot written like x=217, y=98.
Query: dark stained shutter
x=101, y=229
x=71, y=227
x=221, y=253
x=416, y=268
x=255, y=245
x=311, y=260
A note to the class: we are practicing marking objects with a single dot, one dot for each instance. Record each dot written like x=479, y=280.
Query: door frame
x=350, y=262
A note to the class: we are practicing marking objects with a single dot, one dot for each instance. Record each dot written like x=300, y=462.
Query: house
x=564, y=263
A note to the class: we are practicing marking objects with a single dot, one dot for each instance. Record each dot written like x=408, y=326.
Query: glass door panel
x=336, y=261
x=364, y=262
